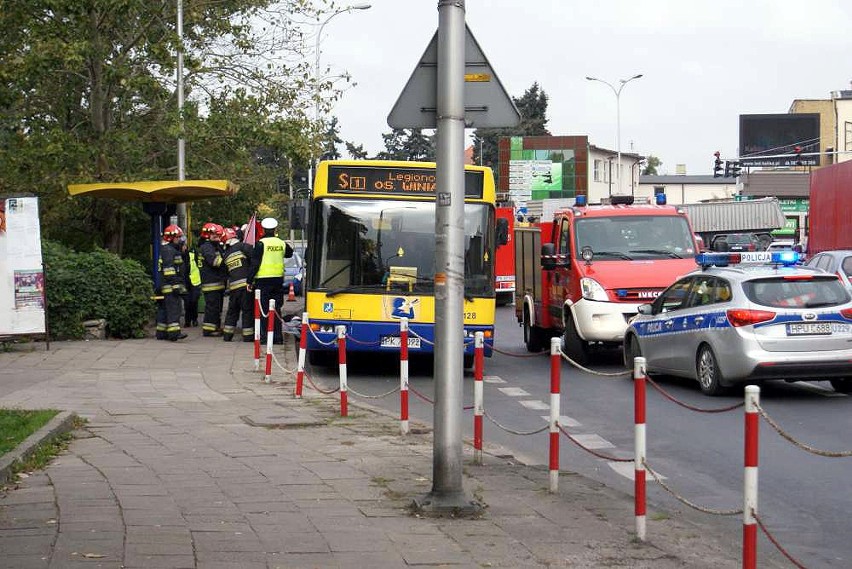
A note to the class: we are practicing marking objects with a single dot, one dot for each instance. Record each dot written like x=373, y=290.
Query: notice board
x=22, y=299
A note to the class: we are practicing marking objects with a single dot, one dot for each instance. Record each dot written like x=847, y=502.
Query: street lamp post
x=317, y=77
x=617, y=92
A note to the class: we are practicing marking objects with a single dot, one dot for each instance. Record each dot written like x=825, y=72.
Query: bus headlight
x=592, y=290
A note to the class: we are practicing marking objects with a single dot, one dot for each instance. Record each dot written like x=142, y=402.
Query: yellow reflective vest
x=194, y=273
x=272, y=262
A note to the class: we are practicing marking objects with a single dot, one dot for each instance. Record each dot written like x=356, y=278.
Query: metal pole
x=447, y=494
x=181, y=207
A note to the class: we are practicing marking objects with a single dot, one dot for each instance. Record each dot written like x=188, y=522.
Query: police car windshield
x=780, y=292
x=634, y=237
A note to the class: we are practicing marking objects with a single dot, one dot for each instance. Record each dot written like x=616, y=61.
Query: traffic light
x=735, y=169
x=717, y=165
x=798, y=152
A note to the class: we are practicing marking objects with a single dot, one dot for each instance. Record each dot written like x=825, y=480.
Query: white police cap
x=269, y=223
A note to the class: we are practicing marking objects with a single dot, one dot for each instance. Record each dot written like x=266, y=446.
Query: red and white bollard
x=752, y=420
x=256, y=330
x=270, y=335
x=639, y=485
x=403, y=376
x=303, y=347
x=555, y=375
x=341, y=359
x=478, y=407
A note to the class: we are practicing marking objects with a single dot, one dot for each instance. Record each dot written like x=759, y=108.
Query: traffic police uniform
x=267, y=274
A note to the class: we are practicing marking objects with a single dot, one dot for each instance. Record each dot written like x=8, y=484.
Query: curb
x=60, y=424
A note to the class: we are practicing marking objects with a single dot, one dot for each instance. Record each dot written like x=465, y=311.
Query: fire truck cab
x=583, y=274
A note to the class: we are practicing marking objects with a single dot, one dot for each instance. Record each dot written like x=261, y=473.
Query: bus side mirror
x=501, y=232
x=548, y=256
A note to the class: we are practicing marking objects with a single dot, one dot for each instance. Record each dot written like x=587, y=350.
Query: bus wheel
x=321, y=358
x=573, y=345
x=533, y=336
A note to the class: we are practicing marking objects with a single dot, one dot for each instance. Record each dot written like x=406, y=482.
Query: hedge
x=99, y=284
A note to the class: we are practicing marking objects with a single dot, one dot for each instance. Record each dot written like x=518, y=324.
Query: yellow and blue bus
x=371, y=256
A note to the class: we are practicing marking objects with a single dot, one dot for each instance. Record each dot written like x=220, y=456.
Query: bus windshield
x=634, y=237
x=380, y=245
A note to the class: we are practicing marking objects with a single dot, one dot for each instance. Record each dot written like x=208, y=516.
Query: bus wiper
x=618, y=254
x=350, y=288
x=671, y=254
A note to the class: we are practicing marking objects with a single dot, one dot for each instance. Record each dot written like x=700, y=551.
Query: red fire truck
x=504, y=260
x=583, y=274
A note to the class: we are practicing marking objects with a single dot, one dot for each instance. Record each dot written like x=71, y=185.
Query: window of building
x=599, y=174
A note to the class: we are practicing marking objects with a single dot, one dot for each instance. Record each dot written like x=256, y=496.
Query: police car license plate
x=393, y=342
x=808, y=328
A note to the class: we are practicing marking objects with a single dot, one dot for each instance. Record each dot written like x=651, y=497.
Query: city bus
x=371, y=257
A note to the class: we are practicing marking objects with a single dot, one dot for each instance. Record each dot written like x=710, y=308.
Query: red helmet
x=209, y=230
x=229, y=234
x=172, y=232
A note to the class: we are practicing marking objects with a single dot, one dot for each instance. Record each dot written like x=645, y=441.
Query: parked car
x=837, y=262
x=737, y=242
x=735, y=323
x=781, y=245
x=294, y=272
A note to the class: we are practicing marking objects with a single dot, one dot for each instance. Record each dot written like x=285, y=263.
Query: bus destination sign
x=397, y=181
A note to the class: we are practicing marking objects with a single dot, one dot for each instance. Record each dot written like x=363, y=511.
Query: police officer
x=192, y=280
x=213, y=276
x=267, y=273
x=171, y=285
x=238, y=260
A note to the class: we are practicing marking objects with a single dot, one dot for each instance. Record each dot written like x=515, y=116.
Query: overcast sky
x=704, y=64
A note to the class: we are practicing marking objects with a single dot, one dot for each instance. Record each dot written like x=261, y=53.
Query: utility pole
x=181, y=207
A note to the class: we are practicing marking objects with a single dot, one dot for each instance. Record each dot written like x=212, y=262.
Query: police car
x=747, y=317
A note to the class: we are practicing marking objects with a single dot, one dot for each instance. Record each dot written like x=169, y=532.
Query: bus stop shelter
x=157, y=198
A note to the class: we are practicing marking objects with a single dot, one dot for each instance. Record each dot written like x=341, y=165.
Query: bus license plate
x=393, y=342
x=808, y=328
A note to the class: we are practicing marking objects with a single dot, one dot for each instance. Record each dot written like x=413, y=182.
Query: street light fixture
x=617, y=117
x=363, y=6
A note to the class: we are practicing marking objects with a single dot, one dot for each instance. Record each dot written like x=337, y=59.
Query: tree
x=331, y=140
x=651, y=165
x=532, y=107
x=87, y=94
x=407, y=144
x=356, y=152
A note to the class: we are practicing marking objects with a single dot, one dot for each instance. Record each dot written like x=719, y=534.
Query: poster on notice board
x=22, y=304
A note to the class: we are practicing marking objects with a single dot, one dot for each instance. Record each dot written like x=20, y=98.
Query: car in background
x=737, y=242
x=732, y=323
x=837, y=262
x=781, y=245
x=294, y=272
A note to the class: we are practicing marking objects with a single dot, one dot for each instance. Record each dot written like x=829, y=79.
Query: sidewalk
x=189, y=460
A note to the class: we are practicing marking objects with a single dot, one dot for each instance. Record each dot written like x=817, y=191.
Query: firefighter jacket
x=212, y=265
x=171, y=269
x=238, y=261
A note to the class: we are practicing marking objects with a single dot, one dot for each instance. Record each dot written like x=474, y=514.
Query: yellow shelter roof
x=168, y=191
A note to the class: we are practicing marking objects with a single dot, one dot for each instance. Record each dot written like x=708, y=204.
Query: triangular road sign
x=486, y=103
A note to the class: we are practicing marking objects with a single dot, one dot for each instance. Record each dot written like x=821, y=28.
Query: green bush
x=86, y=286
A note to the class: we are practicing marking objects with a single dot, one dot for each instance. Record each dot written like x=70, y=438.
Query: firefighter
x=238, y=261
x=213, y=275
x=267, y=273
x=171, y=285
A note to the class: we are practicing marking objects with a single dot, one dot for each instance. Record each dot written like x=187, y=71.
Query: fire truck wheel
x=533, y=336
x=573, y=345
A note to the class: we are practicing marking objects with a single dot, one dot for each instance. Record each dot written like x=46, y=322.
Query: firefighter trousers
x=213, y=300
x=240, y=301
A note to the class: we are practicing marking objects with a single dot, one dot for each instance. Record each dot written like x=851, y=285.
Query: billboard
x=22, y=304
x=540, y=174
x=770, y=140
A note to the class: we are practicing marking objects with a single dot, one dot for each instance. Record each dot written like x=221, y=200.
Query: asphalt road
x=804, y=500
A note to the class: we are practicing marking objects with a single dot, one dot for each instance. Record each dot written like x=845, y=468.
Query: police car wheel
x=631, y=351
x=842, y=384
x=707, y=371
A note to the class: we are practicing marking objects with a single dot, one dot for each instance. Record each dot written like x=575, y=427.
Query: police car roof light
x=580, y=200
x=660, y=199
x=750, y=258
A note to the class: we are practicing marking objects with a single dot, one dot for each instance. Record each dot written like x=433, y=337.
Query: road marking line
x=493, y=379
x=535, y=405
x=626, y=469
x=564, y=421
x=593, y=441
x=512, y=391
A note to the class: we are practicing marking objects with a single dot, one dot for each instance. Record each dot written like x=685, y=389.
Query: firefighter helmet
x=209, y=230
x=172, y=232
x=229, y=234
